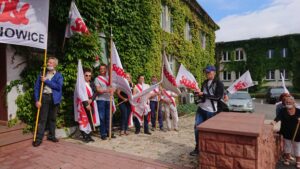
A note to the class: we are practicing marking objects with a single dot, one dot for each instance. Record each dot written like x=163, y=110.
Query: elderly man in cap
x=212, y=90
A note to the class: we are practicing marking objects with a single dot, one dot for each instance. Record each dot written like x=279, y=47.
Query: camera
x=198, y=99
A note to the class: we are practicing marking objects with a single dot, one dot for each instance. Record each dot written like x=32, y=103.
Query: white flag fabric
x=76, y=23
x=168, y=79
x=243, y=82
x=24, y=22
x=283, y=84
x=186, y=79
x=118, y=75
x=80, y=94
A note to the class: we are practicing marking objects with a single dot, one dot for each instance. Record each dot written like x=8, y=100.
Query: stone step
x=13, y=135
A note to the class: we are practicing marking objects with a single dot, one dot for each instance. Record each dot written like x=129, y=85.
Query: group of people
x=159, y=103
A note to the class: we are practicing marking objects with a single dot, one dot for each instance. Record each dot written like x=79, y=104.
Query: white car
x=240, y=101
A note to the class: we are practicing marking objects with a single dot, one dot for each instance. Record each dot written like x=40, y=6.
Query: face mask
x=50, y=68
x=289, y=106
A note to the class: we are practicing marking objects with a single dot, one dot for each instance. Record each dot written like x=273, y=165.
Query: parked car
x=273, y=94
x=240, y=101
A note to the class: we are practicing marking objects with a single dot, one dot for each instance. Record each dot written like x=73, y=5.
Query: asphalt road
x=261, y=107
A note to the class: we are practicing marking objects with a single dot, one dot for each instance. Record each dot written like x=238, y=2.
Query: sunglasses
x=88, y=75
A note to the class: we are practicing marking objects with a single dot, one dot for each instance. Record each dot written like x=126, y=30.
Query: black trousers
x=47, y=116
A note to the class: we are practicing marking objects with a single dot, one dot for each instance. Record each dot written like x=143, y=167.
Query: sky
x=246, y=19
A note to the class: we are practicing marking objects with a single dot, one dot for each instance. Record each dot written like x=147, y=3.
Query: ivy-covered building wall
x=141, y=31
x=265, y=58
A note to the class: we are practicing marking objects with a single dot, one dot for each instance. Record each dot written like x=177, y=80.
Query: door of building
x=3, y=76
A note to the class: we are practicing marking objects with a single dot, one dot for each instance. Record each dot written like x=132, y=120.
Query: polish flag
x=243, y=82
x=76, y=23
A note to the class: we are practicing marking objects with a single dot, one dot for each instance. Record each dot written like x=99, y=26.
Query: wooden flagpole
x=157, y=108
x=92, y=118
x=296, y=131
x=110, y=85
x=40, y=98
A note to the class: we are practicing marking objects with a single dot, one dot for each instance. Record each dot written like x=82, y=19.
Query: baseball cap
x=210, y=68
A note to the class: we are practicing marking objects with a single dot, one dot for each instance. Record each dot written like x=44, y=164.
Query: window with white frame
x=165, y=18
x=238, y=74
x=239, y=54
x=225, y=56
x=172, y=63
x=284, y=73
x=226, y=75
x=270, y=75
x=188, y=32
x=270, y=53
x=284, y=52
x=203, y=39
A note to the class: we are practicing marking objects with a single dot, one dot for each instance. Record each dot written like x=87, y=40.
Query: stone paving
x=66, y=155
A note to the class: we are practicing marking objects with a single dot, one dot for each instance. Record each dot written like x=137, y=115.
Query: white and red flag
x=168, y=79
x=186, y=79
x=243, y=82
x=76, y=23
x=283, y=84
x=80, y=95
x=24, y=22
x=118, y=74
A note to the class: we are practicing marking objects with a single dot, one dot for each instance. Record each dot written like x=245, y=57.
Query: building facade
x=142, y=31
x=265, y=58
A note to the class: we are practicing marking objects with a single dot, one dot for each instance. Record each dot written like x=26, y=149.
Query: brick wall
x=222, y=149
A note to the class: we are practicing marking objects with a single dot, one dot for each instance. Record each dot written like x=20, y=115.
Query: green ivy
x=257, y=61
x=135, y=26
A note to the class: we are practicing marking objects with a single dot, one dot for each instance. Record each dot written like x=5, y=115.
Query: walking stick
x=40, y=99
x=296, y=131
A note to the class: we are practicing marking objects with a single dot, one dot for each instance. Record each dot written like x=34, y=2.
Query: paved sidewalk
x=66, y=155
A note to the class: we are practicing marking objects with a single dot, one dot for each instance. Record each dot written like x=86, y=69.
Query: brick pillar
x=236, y=141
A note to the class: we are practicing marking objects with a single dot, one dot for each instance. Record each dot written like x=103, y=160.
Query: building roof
x=197, y=8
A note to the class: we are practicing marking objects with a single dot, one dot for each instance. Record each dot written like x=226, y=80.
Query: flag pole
x=110, y=85
x=40, y=98
x=92, y=118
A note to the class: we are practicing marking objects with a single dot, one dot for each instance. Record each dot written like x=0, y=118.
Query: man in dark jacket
x=51, y=98
x=212, y=91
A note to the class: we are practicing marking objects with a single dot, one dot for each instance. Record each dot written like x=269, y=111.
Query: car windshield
x=239, y=96
x=277, y=90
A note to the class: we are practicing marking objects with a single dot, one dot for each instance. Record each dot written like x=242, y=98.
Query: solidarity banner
x=76, y=23
x=168, y=79
x=243, y=82
x=24, y=22
x=186, y=79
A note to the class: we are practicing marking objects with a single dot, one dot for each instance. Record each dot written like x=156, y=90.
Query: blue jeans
x=125, y=112
x=153, y=107
x=103, y=109
x=201, y=116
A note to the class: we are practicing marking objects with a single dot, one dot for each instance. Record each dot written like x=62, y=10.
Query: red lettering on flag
x=11, y=14
x=170, y=77
x=188, y=83
x=240, y=85
x=80, y=26
x=119, y=71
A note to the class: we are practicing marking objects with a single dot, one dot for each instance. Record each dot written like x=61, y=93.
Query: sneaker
x=153, y=129
x=137, y=132
x=53, y=139
x=194, y=153
x=176, y=130
x=103, y=138
x=90, y=139
x=36, y=143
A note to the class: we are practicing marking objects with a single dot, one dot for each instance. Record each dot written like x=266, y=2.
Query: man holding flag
x=103, y=101
x=51, y=94
x=212, y=90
